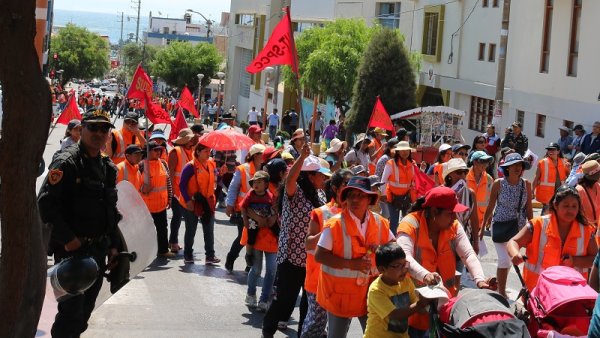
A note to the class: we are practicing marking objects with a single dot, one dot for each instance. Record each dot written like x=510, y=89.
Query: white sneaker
x=282, y=325
x=262, y=306
x=250, y=301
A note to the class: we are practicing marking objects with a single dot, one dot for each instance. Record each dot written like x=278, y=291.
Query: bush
x=283, y=134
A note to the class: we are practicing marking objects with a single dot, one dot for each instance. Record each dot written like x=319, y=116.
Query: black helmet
x=73, y=276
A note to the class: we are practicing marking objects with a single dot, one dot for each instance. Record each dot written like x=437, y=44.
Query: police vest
x=544, y=250
x=313, y=268
x=547, y=183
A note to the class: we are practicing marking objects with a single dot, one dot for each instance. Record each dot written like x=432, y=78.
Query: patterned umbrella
x=226, y=139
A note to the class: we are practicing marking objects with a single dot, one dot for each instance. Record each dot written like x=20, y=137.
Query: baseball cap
x=132, y=149
x=73, y=124
x=132, y=116
x=153, y=145
x=453, y=165
x=256, y=149
x=481, y=155
x=271, y=153
x=444, y=147
x=260, y=175
x=457, y=147
x=96, y=116
x=312, y=163
x=444, y=198
x=254, y=129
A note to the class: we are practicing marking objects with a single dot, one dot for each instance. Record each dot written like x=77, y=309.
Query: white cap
x=444, y=147
x=453, y=165
x=256, y=149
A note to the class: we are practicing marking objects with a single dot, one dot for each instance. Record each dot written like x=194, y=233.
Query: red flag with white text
x=380, y=118
x=179, y=124
x=157, y=115
x=279, y=50
x=141, y=85
x=186, y=100
x=71, y=112
x=422, y=182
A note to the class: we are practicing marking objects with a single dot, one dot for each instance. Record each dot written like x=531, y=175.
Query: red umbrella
x=227, y=139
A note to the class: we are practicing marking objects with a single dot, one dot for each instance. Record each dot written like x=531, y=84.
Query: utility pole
x=137, y=26
x=499, y=100
x=121, y=21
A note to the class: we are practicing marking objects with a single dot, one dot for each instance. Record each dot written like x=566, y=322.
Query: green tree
x=329, y=57
x=132, y=54
x=386, y=70
x=180, y=62
x=81, y=53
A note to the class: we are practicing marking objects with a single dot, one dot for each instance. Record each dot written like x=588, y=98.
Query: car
x=113, y=87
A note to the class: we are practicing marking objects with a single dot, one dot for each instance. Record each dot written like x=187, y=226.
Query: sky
x=172, y=8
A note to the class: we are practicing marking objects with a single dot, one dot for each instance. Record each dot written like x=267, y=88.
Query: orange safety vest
x=157, y=199
x=401, y=180
x=376, y=145
x=313, y=268
x=590, y=205
x=482, y=190
x=265, y=238
x=123, y=138
x=337, y=290
x=203, y=180
x=544, y=250
x=183, y=157
x=438, y=171
x=247, y=170
x=130, y=173
x=547, y=182
x=441, y=260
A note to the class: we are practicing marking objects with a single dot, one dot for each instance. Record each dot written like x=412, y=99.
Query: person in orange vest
x=346, y=253
x=552, y=171
x=197, y=194
x=481, y=183
x=431, y=237
x=156, y=192
x=398, y=177
x=563, y=237
x=316, y=317
x=589, y=191
x=130, y=133
x=179, y=156
x=436, y=169
x=129, y=169
x=158, y=135
x=376, y=148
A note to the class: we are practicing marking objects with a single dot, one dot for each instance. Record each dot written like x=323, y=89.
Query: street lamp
x=200, y=77
x=209, y=22
x=60, y=73
x=268, y=71
x=221, y=75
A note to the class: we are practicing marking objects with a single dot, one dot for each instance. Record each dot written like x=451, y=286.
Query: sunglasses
x=94, y=127
x=462, y=154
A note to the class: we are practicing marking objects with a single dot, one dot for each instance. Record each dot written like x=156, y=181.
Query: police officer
x=78, y=199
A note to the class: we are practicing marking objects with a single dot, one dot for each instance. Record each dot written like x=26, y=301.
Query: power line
x=451, y=55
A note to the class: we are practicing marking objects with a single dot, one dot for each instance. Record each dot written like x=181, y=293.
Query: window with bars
x=492, y=53
x=540, y=125
x=481, y=56
x=545, y=57
x=388, y=14
x=244, y=19
x=485, y=3
x=495, y=3
x=482, y=112
x=520, y=118
x=432, y=33
x=574, y=40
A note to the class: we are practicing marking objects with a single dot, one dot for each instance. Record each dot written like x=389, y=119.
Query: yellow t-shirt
x=381, y=301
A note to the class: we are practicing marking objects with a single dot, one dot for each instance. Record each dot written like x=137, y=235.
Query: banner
x=280, y=49
x=179, y=124
x=380, y=118
x=157, y=115
x=71, y=112
x=141, y=85
x=422, y=182
x=186, y=101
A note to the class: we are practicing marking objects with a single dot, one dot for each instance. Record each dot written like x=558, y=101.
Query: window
x=244, y=19
x=540, y=125
x=520, y=117
x=481, y=56
x=388, y=14
x=492, y=53
x=545, y=58
x=432, y=33
x=495, y=3
x=485, y=3
x=300, y=27
x=482, y=112
x=574, y=41
x=568, y=124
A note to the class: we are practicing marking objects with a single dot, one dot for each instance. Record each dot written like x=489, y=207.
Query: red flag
x=157, y=115
x=280, y=49
x=179, y=124
x=187, y=101
x=380, y=118
x=422, y=182
x=70, y=112
x=141, y=85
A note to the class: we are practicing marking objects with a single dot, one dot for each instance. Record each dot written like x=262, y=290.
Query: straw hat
x=299, y=133
x=185, y=136
x=591, y=170
x=335, y=145
x=404, y=145
x=380, y=131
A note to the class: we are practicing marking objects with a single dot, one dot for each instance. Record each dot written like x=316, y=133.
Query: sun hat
x=286, y=156
x=254, y=129
x=298, y=133
x=335, y=145
x=443, y=198
x=515, y=158
x=444, y=147
x=359, y=138
x=360, y=183
x=357, y=170
x=563, y=128
x=96, y=116
x=579, y=158
x=271, y=153
x=158, y=134
x=375, y=182
x=459, y=146
x=74, y=123
x=452, y=166
x=481, y=155
x=312, y=163
x=553, y=145
x=132, y=149
x=437, y=291
x=403, y=145
x=380, y=131
x=591, y=170
x=256, y=149
x=260, y=175
x=185, y=136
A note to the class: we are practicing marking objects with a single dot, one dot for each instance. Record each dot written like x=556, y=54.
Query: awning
x=414, y=113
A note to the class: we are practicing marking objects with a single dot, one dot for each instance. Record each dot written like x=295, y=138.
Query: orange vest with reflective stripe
x=438, y=171
x=401, y=179
x=123, y=138
x=203, y=181
x=130, y=173
x=482, y=190
x=158, y=198
x=313, y=268
x=441, y=260
x=547, y=183
x=247, y=170
x=376, y=145
x=265, y=238
x=337, y=290
x=183, y=157
x=544, y=250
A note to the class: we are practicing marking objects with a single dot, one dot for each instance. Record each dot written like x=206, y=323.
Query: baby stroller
x=561, y=302
x=479, y=313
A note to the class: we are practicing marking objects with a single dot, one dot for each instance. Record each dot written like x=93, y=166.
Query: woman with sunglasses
x=435, y=171
x=563, y=237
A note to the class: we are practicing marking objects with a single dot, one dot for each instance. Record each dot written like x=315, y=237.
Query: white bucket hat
x=335, y=145
x=453, y=165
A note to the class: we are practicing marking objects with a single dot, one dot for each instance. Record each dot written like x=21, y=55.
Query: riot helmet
x=73, y=276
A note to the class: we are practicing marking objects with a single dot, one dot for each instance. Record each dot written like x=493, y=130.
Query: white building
x=551, y=70
x=162, y=31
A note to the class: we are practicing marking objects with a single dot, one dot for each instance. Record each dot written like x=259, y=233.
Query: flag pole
x=295, y=67
x=314, y=117
x=368, y=124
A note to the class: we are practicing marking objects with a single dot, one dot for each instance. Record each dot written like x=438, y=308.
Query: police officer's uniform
x=79, y=199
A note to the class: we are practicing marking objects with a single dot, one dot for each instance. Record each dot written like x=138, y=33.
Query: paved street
x=172, y=299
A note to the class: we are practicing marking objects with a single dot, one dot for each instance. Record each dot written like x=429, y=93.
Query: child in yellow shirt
x=391, y=298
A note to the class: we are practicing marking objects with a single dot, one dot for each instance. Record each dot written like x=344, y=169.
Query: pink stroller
x=561, y=302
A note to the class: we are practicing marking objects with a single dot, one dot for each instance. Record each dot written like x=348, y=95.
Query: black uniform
x=79, y=199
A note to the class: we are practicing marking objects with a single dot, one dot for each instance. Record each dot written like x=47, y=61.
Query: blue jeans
x=208, y=227
x=272, y=132
x=254, y=274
